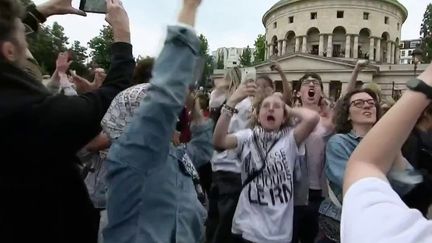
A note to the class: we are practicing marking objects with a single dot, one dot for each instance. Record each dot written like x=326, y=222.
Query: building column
x=348, y=46
x=284, y=43
x=397, y=54
x=389, y=52
x=271, y=50
x=371, y=48
x=393, y=49
x=304, y=44
x=321, y=45
x=330, y=45
x=378, y=50
x=279, y=48
x=355, y=51
x=297, y=44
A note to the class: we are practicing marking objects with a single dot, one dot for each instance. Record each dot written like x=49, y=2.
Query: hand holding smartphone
x=93, y=6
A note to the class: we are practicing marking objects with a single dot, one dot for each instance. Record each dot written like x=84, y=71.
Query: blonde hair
x=256, y=108
x=234, y=76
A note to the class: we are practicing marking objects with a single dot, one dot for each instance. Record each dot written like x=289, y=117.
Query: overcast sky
x=225, y=23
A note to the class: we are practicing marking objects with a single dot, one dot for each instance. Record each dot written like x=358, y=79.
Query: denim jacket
x=149, y=198
x=338, y=151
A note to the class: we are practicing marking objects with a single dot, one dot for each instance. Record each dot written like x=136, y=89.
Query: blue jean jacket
x=338, y=151
x=149, y=198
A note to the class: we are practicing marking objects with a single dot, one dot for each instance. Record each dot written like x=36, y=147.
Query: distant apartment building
x=231, y=56
x=406, y=49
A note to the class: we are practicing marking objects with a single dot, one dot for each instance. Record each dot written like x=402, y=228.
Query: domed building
x=336, y=28
x=329, y=36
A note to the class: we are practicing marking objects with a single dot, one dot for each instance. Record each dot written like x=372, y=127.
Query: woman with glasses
x=356, y=113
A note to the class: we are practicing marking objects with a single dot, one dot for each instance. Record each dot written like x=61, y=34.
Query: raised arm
x=308, y=119
x=358, y=67
x=155, y=120
x=200, y=148
x=36, y=15
x=286, y=86
x=77, y=119
x=221, y=139
x=375, y=155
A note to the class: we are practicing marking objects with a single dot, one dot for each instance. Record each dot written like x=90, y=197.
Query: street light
x=417, y=55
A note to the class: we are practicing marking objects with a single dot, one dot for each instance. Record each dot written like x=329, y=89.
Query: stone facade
x=336, y=28
x=231, y=56
x=329, y=36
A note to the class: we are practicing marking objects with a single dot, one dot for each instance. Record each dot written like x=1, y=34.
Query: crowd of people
x=138, y=154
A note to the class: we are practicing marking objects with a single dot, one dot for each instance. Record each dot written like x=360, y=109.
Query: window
x=275, y=25
x=340, y=14
x=291, y=19
x=366, y=16
x=410, y=53
x=398, y=26
x=314, y=15
x=386, y=20
x=403, y=53
x=335, y=89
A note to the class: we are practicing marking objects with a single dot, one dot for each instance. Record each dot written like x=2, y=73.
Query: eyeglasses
x=361, y=103
x=308, y=81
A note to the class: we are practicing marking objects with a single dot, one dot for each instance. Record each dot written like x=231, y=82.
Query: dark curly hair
x=143, y=71
x=340, y=119
x=10, y=11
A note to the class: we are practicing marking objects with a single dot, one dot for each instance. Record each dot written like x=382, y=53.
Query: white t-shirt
x=264, y=212
x=373, y=212
x=228, y=160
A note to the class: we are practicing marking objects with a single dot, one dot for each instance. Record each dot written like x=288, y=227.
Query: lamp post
x=416, y=57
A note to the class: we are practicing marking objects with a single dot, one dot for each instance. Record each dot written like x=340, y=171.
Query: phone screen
x=93, y=6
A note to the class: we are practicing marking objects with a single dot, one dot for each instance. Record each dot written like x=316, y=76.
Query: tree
x=46, y=44
x=260, y=49
x=79, y=54
x=246, y=57
x=59, y=40
x=101, y=47
x=208, y=61
x=426, y=34
x=220, y=61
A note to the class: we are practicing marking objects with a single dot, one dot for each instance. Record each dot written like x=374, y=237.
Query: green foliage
x=260, y=49
x=246, y=57
x=79, y=54
x=208, y=62
x=101, y=47
x=426, y=35
x=46, y=44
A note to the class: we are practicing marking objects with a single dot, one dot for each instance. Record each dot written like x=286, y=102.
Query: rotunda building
x=336, y=28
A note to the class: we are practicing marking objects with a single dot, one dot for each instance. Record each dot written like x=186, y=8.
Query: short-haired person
x=310, y=186
x=44, y=198
x=372, y=211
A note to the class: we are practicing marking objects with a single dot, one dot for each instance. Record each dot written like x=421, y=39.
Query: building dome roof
x=283, y=3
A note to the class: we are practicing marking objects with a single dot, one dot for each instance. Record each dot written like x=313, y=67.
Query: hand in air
x=59, y=7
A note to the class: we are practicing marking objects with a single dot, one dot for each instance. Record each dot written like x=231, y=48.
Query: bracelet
x=227, y=111
x=230, y=109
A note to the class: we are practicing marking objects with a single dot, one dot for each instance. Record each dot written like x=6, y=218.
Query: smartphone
x=93, y=6
x=249, y=75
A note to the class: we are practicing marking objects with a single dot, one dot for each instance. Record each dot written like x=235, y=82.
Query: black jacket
x=43, y=198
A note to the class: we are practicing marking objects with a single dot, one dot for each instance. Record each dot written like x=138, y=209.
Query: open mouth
x=271, y=118
x=311, y=93
x=367, y=113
